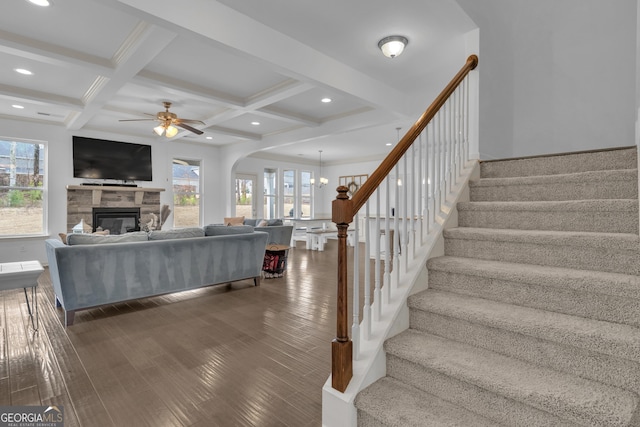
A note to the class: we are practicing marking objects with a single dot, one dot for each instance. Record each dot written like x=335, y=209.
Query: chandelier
x=323, y=181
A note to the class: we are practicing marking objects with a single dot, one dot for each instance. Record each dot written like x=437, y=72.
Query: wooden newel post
x=342, y=346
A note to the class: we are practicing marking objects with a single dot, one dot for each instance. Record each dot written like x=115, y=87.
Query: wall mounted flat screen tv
x=104, y=159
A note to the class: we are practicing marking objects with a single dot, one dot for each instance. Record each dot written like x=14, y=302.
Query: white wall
x=60, y=174
x=555, y=75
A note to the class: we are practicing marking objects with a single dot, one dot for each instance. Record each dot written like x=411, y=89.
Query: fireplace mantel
x=97, y=191
x=81, y=199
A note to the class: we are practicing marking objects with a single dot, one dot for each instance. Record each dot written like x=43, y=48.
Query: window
x=244, y=195
x=186, y=193
x=270, y=194
x=22, y=190
x=306, y=208
x=289, y=194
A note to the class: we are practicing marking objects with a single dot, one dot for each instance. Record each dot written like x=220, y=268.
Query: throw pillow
x=217, y=230
x=262, y=223
x=272, y=222
x=63, y=237
x=237, y=220
x=180, y=233
x=96, y=239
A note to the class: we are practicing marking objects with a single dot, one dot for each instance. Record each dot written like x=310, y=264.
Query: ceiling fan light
x=171, y=131
x=159, y=130
x=392, y=46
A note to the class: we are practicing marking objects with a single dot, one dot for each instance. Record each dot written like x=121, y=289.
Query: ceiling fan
x=168, y=122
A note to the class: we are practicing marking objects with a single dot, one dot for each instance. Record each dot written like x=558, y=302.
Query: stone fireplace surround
x=81, y=199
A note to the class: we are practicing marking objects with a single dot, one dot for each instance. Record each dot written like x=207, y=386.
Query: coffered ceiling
x=231, y=63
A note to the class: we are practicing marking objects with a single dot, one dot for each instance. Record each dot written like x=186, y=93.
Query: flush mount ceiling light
x=392, y=46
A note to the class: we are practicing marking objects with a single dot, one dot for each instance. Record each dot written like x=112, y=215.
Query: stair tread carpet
x=603, y=337
x=563, y=395
x=614, y=284
x=620, y=158
x=394, y=404
x=592, y=177
x=608, y=205
x=614, y=184
x=616, y=241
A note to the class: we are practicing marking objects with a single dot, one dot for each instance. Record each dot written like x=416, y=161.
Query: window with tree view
x=22, y=176
x=186, y=193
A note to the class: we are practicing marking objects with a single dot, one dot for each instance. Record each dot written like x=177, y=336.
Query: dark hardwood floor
x=228, y=355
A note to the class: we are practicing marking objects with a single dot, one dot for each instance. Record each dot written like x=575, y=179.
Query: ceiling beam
x=144, y=43
x=47, y=53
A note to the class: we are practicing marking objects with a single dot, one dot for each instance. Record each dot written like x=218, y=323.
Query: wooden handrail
x=376, y=178
x=343, y=211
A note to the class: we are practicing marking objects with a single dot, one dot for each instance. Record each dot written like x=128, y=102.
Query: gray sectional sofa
x=279, y=234
x=95, y=270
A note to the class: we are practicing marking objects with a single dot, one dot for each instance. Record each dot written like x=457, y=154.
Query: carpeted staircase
x=532, y=317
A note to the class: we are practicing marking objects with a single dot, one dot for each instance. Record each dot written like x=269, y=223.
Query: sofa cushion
x=272, y=222
x=221, y=230
x=94, y=239
x=179, y=233
x=235, y=220
x=252, y=221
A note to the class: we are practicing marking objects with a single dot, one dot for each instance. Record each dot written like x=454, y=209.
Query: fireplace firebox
x=116, y=220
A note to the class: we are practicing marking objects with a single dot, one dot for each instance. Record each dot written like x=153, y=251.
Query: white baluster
x=412, y=209
x=366, y=313
x=396, y=228
x=355, y=326
x=421, y=183
x=387, y=243
x=432, y=174
x=465, y=132
x=405, y=214
x=377, y=295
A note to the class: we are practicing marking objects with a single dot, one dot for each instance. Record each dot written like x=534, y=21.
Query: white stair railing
x=396, y=211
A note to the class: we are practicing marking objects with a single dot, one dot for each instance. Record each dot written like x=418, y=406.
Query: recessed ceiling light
x=208, y=137
x=255, y=123
x=40, y=2
x=19, y=107
x=326, y=100
x=23, y=71
x=388, y=144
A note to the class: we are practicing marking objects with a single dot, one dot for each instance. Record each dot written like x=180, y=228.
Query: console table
x=15, y=275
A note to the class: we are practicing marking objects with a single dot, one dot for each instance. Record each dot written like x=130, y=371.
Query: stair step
x=604, y=216
x=602, y=351
x=603, y=337
x=388, y=402
x=611, y=159
x=606, y=184
x=613, y=252
x=611, y=297
x=503, y=388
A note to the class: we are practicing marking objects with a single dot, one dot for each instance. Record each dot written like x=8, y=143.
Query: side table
x=24, y=274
